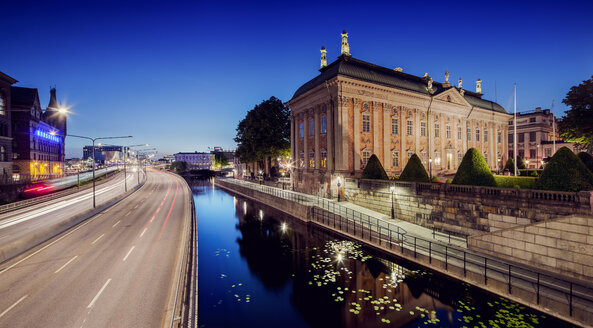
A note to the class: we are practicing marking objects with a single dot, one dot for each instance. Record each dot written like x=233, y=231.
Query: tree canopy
x=577, y=125
x=264, y=132
x=374, y=169
x=220, y=159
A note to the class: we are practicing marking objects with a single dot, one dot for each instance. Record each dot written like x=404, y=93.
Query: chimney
x=323, y=57
x=479, y=86
x=345, y=46
x=538, y=109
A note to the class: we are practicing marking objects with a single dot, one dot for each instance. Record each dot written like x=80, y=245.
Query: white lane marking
x=63, y=266
x=130, y=251
x=15, y=304
x=98, y=294
x=142, y=234
x=96, y=240
x=116, y=223
x=135, y=207
x=46, y=246
x=3, y=237
x=128, y=213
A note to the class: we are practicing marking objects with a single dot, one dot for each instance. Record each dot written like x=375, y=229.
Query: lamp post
x=392, y=189
x=93, y=140
x=430, y=168
x=339, y=184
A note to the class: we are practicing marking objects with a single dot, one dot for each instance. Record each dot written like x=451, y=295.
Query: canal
x=259, y=267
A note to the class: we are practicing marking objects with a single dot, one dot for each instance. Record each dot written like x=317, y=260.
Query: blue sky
x=181, y=75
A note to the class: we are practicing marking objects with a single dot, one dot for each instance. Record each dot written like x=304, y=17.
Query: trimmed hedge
x=474, y=170
x=587, y=160
x=512, y=182
x=565, y=172
x=414, y=171
x=374, y=169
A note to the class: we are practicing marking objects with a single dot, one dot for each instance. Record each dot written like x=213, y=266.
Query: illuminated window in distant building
x=486, y=156
x=448, y=131
x=2, y=105
x=395, y=158
x=459, y=132
x=485, y=135
x=410, y=153
x=424, y=157
x=2, y=154
x=437, y=130
x=469, y=134
x=410, y=127
x=521, y=137
x=477, y=134
x=301, y=130
x=499, y=136
x=366, y=123
x=312, y=159
x=302, y=159
x=423, y=129
x=548, y=152
x=311, y=127
x=437, y=158
x=323, y=163
x=394, y=126
x=365, y=158
x=323, y=124
x=459, y=157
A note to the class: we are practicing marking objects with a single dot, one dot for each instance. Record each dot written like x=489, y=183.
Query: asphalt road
x=117, y=269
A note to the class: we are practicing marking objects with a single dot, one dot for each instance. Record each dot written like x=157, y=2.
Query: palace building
x=354, y=109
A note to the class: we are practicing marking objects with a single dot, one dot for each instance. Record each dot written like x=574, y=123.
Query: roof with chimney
x=358, y=69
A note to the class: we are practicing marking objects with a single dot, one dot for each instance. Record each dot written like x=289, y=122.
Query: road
x=117, y=269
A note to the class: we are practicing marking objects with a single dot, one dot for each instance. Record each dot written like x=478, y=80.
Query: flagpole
x=515, y=128
x=553, y=129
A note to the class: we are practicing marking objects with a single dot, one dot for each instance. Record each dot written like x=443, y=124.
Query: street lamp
x=339, y=184
x=93, y=140
x=392, y=189
x=430, y=168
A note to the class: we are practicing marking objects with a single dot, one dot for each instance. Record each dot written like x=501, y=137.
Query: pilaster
x=356, y=131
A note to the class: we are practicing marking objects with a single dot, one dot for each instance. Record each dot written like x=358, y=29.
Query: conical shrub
x=565, y=172
x=587, y=159
x=474, y=170
x=374, y=169
x=414, y=171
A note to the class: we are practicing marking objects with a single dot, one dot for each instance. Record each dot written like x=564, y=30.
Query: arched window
x=365, y=158
x=312, y=159
x=323, y=163
x=395, y=159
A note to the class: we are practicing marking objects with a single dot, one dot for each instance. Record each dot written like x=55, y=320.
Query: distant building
x=535, y=136
x=105, y=154
x=196, y=160
x=6, y=166
x=38, y=136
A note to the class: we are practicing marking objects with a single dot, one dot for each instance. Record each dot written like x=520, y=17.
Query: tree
x=220, y=159
x=178, y=167
x=577, y=125
x=474, y=170
x=565, y=172
x=374, y=169
x=264, y=132
x=510, y=165
x=414, y=171
x=587, y=160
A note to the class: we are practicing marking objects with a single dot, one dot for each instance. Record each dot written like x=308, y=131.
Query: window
x=531, y=119
x=366, y=123
x=423, y=129
x=323, y=124
x=424, y=157
x=312, y=159
x=410, y=128
x=548, y=152
x=311, y=127
x=521, y=137
x=394, y=126
x=511, y=139
x=521, y=153
x=437, y=158
x=485, y=135
x=301, y=130
x=486, y=156
x=469, y=134
x=532, y=136
x=499, y=136
x=323, y=163
x=2, y=105
x=459, y=157
x=2, y=154
x=365, y=158
x=448, y=131
x=302, y=159
x=532, y=153
x=459, y=133
x=511, y=122
x=410, y=153
x=395, y=159
x=437, y=130
x=477, y=134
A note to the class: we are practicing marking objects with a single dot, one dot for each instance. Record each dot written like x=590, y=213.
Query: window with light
x=323, y=124
x=395, y=158
x=323, y=163
x=410, y=127
x=365, y=158
x=394, y=126
x=366, y=123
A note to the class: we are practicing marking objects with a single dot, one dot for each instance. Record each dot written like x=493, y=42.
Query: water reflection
x=296, y=275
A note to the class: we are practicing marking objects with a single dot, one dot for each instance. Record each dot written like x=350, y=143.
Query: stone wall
x=563, y=245
x=465, y=210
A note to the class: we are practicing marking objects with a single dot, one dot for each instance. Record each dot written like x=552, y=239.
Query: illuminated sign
x=47, y=136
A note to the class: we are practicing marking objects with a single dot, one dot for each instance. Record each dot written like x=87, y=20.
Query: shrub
x=510, y=165
x=414, y=171
x=374, y=169
x=587, y=160
x=449, y=181
x=434, y=179
x=565, y=172
x=514, y=182
x=474, y=170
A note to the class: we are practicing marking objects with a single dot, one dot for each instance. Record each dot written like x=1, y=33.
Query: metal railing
x=563, y=294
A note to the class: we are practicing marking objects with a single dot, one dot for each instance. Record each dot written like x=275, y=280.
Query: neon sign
x=47, y=136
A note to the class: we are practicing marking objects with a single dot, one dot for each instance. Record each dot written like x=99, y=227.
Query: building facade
x=354, y=109
x=105, y=154
x=537, y=137
x=38, y=136
x=196, y=160
x=6, y=165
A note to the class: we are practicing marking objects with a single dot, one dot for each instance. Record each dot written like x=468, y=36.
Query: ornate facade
x=354, y=109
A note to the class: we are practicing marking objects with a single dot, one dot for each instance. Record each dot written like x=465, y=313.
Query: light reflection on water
x=261, y=268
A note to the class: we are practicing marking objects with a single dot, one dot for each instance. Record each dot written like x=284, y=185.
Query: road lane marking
x=116, y=223
x=44, y=247
x=128, y=213
x=135, y=207
x=15, y=304
x=130, y=251
x=98, y=294
x=63, y=266
x=96, y=240
x=142, y=234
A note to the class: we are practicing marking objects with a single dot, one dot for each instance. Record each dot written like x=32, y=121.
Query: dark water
x=261, y=268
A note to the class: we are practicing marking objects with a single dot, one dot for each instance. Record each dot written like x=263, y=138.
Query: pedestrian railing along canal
x=566, y=296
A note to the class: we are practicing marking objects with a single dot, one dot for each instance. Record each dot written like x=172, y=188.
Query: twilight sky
x=180, y=75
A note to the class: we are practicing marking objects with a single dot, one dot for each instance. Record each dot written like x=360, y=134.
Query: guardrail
x=563, y=294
